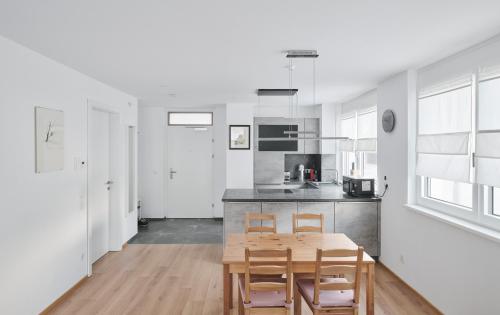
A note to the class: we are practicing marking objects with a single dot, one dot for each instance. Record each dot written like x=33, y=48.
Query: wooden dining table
x=303, y=257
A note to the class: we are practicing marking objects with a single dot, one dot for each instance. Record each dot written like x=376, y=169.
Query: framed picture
x=239, y=137
x=49, y=142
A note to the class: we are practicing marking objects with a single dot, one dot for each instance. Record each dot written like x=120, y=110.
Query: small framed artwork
x=239, y=137
x=49, y=142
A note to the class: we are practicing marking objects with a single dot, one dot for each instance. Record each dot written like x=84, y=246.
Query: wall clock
x=388, y=120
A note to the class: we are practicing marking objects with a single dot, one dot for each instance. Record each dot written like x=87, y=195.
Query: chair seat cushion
x=264, y=298
x=327, y=298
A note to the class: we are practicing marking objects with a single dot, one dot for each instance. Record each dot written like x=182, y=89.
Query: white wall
x=153, y=152
x=152, y=124
x=43, y=233
x=309, y=111
x=221, y=139
x=239, y=163
x=364, y=101
x=454, y=269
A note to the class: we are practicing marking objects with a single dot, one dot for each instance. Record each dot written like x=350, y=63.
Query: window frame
x=478, y=214
x=190, y=125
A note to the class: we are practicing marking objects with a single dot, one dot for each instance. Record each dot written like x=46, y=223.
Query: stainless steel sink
x=274, y=191
x=302, y=186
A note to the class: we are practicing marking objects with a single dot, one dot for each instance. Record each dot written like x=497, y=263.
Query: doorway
x=103, y=182
x=189, y=152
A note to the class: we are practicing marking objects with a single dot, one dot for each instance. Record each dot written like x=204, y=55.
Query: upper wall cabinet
x=274, y=127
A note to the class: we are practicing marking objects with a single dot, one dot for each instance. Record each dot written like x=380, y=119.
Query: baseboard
x=63, y=297
x=410, y=287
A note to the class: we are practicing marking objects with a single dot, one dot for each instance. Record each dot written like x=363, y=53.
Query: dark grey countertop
x=325, y=193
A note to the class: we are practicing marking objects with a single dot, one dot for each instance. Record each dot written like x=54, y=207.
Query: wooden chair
x=332, y=295
x=307, y=228
x=267, y=295
x=249, y=217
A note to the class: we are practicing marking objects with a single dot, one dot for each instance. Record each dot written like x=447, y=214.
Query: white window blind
x=367, y=131
x=348, y=129
x=444, y=129
x=487, y=155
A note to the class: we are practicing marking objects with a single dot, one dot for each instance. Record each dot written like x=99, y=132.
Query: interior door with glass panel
x=189, y=172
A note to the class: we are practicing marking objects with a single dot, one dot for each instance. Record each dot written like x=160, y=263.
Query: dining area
x=284, y=273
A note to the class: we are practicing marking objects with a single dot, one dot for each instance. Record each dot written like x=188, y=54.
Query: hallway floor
x=180, y=231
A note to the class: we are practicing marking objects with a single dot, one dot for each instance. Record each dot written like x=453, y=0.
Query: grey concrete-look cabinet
x=360, y=222
x=325, y=208
x=234, y=216
x=311, y=146
x=283, y=212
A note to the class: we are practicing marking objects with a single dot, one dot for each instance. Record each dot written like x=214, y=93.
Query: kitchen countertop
x=325, y=193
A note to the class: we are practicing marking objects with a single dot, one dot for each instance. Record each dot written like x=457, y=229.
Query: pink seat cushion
x=327, y=298
x=264, y=298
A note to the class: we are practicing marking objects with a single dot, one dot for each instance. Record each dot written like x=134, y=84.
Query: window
x=359, y=153
x=496, y=201
x=190, y=119
x=458, y=156
x=369, y=164
x=456, y=193
x=491, y=200
x=348, y=129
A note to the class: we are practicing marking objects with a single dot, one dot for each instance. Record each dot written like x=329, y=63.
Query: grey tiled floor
x=180, y=231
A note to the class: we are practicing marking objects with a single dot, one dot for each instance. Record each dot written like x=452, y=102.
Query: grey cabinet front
x=325, y=208
x=359, y=221
x=311, y=146
x=234, y=216
x=283, y=212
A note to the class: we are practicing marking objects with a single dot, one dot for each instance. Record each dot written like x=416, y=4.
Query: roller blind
x=487, y=155
x=444, y=131
x=347, y=129
x=367, y=131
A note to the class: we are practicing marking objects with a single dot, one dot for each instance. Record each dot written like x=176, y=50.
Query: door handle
x=109, y=182
x=172, y=172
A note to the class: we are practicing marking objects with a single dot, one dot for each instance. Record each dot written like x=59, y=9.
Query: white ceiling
x=219, y=51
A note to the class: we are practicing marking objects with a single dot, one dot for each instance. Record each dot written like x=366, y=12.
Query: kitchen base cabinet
x=325, y=208
x=234, y=216
x=360, y=222
x=283, y=212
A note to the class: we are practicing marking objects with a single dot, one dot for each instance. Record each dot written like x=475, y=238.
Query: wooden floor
x=187, y=279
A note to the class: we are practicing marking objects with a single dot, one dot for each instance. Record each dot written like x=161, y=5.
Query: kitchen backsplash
x=310, y=161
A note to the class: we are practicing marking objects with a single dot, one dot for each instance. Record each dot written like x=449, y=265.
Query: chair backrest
x=261, y=217
x=268, y=262
x=343, y=264
x=307, y=228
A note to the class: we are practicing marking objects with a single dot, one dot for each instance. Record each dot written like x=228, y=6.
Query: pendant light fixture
x=309, y=54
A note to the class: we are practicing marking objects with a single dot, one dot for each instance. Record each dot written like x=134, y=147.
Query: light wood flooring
x=187, y=279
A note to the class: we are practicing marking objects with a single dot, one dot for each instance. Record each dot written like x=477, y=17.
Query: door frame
x=115, y=135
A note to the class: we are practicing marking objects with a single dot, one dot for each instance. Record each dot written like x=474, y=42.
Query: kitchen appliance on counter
x=358, y=187
x=301, y=172
x=287, y=177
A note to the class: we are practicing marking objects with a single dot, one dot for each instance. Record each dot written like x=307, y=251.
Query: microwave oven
x=358, y=187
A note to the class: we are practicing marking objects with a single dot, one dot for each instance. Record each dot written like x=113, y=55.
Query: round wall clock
x=388, y=120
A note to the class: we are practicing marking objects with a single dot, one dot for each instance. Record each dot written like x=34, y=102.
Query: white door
x=98, y=183
x=189, y=172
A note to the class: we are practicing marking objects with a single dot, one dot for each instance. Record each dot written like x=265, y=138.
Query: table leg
x=297, y=300
x=228, y=289
x=370, y=290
